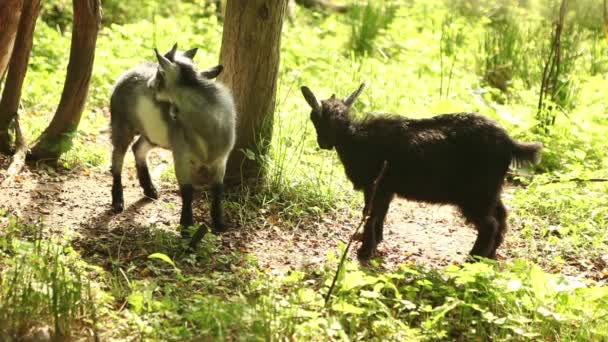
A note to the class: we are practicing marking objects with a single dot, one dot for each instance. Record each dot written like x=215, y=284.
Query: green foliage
x=418, y=58
x=366, y=22
x=42, y=285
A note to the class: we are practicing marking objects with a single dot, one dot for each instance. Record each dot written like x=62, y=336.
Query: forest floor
x=78, y=202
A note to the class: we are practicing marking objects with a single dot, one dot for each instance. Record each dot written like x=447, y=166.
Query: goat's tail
x=525, y=153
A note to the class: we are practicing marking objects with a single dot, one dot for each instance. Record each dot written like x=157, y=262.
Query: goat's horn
x=162, y=60
x=171, y=54
x=351, y=99
x=310, y=98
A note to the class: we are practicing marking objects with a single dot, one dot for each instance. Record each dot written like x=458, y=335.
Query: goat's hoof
x=118, y=207
x=185, y=233
x=219, y=228
x=151, y=193
x=365, y=254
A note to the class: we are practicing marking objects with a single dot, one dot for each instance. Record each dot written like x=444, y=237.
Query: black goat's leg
x=379, y=206
x=368, y=246
x=487, y=229
x=366, y=199
x=141, y=148
x=118, y=157
x=500, y=215
x=383, y=205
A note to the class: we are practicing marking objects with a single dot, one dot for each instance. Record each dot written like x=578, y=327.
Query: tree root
x=18, y=159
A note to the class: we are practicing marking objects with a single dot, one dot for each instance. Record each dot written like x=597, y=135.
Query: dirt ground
x=78, y=202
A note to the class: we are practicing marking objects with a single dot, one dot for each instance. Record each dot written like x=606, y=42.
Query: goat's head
x=326, y=114
x=176, y=67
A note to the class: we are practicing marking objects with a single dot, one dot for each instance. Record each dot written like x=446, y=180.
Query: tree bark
x=10, y=12
x=57, y=138
x=11, y=94
x=250, y=55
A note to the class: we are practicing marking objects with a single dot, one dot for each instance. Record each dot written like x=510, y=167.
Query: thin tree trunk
x=250, y=55
x=606, y=18
x=10, y=12
x=56, y=139
x=11, y=95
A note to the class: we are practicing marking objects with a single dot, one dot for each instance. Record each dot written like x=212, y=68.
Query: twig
x=18, y=157
x=365, y=218
x=576, y=179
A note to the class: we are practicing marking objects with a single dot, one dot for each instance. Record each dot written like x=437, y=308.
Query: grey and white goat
x=175, y=107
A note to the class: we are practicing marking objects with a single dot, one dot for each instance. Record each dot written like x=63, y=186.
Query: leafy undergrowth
x=423, y=62
x=45, y=285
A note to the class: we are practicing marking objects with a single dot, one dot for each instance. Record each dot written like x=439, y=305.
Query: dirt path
x=78, y=202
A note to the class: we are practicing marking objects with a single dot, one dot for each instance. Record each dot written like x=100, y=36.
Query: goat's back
x=207, y=117
x=133, y=103
x=439, y=159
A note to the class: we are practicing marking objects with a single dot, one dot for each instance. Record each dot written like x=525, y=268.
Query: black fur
x=118, y=202
x=459, y=159
x=186, y=220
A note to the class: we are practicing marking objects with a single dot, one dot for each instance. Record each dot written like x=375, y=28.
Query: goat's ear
x=162, y=60
x=212, y=72
x=351, y=99
x=191, y=53
x=311, y=99
x=170, y=55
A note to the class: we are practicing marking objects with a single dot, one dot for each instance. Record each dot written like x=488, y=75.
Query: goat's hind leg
x=217, y=173
x=121, y=138
x=141, y=148
x=487, y=231
x=500, y=215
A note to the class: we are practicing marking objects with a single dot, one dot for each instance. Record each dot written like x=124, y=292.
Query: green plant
x=366, y=22
x=42, y=286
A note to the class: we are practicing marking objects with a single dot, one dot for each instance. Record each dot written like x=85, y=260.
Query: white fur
x=153, y=124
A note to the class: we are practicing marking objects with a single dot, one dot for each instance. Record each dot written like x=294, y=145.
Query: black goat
x=459, y=159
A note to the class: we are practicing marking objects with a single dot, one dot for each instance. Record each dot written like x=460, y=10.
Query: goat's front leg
x=181, y=160
x=372, y=233
x=382, y=207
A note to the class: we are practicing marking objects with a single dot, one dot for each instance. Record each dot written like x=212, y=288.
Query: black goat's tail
x=525, y=153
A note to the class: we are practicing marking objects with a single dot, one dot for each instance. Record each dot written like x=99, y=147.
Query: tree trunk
x=10, y=11
x=250, y=55
x=57, y=138
x=11, y=94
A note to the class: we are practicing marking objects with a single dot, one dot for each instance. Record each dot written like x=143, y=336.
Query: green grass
x=424, y=62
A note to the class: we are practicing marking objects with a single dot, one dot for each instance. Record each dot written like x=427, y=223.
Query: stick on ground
x=364, y=219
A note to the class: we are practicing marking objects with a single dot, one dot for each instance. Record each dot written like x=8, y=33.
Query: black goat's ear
x=353, y=97
x=212, y=72
x=170, y=55
x=190, y=53
x=311, y=99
